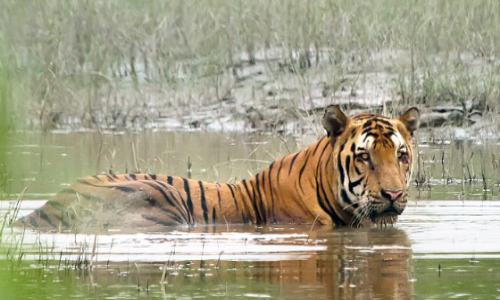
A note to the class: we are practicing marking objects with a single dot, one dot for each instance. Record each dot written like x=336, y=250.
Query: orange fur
x=328, y=182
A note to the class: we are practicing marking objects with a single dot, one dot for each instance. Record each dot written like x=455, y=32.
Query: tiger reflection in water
x=358, y=264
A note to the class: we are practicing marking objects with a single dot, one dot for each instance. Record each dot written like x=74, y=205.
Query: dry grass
x=76, y=56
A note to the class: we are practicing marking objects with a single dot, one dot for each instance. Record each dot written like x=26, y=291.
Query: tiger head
x=372, y=161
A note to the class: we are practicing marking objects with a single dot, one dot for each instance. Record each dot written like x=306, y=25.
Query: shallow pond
x=444, y=246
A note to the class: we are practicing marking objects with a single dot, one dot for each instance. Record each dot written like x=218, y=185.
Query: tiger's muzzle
x=387, y=206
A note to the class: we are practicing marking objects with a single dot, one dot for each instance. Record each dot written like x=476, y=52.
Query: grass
x=111, y=63
x=104, y=63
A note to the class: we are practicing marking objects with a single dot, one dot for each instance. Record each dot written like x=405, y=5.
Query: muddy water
x=444, y=247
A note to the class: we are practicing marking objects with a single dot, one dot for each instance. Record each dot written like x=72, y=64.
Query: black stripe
x=203, y=202
x=358, y=172
x=321, y=159
x=55, y=204
x=320, y=188
x=340, y=168
x=327, y=200
x=121, y=188
x=391, y=130
x=328, y=159
x=367, y=123
x=347, y=168
x=90, y=197
x=188, y=193
x=214, y=216
x=33, y=221
x=353, y=133
x=153, y=176
x=320, y=201
x=301, y=172
x=271, y=191
x=254, y=203
x=168, y=212
x=61, y=208
x=262, y=208
x=346, y=198
x=366, y=131
x=354, y=184
x=329, y=210
x=176, y=204
x=248, y=193
x=375, y=136
x=169, y=200
x=234, y=196
x=323, y=151
x=110, y=178
x=264, y=180
x=170, y=180
x=319, y=183
x=190, y=219
x=117, y=187
x=293, y=161
x=43, y=216
x=388, y=135
x=245, y=219
x=384, y=122
x=84, y=182
x=319, y=144
x=279, y=170
x=157, y=220
x=96, y=177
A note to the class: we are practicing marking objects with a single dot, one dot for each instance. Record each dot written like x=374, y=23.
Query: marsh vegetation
x=217, y=90
x=223, y=65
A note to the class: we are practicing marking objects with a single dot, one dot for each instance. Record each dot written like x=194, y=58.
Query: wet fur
x=326, y=183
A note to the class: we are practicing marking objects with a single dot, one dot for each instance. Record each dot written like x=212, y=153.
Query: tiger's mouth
x=391, y=210
x=378, y=211
x=387, y=216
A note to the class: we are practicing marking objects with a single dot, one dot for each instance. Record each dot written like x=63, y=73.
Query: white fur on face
x=366, y=141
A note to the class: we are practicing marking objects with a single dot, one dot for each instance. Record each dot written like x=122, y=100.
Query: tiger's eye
x=364, y=156
x=403, y=156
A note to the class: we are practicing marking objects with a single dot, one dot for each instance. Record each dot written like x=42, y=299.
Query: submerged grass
x=77, y=56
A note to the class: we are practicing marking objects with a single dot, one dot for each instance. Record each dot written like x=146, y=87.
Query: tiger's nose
x=391, y=195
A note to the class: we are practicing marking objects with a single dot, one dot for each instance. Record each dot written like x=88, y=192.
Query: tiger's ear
x=334, y=121
x=411, y=119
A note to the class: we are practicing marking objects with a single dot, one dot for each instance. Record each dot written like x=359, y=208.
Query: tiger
x=357, y=174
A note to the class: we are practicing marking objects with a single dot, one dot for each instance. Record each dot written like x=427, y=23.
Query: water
x=440, y=249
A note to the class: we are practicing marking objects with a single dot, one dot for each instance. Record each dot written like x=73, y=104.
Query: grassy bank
x=87, y=63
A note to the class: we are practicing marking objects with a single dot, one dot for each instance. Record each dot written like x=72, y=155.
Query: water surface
x=443, y=247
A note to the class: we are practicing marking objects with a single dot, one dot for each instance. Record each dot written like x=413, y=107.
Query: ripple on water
x=434, y=243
